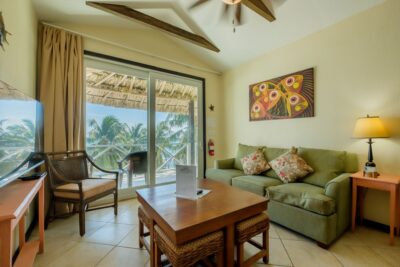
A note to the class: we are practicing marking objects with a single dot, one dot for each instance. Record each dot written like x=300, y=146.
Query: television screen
x=21, y=120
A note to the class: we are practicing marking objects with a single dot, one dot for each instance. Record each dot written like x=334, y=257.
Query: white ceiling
x=295, y=19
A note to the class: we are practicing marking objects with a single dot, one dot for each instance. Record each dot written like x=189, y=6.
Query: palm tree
x=17, y=135
x=108, y=132
x=105, y=138
x=16, y=140
x=136, y=137
x=108, y=140
x=171, y=134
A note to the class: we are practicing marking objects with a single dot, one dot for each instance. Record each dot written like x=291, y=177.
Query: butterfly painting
x=3, y=32
x=286, y=97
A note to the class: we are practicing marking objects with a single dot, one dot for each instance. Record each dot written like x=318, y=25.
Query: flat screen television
x=21, y=128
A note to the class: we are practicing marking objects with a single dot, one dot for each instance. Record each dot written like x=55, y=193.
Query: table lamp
x=367, y=128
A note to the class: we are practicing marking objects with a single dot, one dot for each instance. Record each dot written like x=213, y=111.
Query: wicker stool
x=245, y=231
x=190, y=253
x=144, y=220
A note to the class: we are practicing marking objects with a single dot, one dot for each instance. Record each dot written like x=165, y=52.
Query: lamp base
x=370, y=170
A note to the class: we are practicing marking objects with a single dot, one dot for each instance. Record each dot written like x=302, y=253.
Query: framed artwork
x=286, y=97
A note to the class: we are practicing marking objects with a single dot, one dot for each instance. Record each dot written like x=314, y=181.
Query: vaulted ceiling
x=295, y=20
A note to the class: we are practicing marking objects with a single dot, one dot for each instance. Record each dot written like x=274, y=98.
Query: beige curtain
x=60, y=89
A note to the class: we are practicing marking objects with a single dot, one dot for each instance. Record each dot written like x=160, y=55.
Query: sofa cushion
x=244, y=150
x=305, y=196
x=290, y=166
x=327, y=164
x=223, y=175
x=272, y=153
x=255, y=184
x=255, y=163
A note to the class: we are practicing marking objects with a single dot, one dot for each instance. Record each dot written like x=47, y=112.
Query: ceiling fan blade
x=197, y=3
x=260, y=8
x=238, y=14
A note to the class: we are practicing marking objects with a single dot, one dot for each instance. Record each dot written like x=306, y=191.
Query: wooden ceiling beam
x=132, y=14
x=260, y=8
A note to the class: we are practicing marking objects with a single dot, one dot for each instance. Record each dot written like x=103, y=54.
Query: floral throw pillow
x=290, y=166
x=255, y=163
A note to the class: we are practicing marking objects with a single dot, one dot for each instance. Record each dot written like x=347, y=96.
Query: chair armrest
x=339, y=189
x=224, y=163
x=101, y=169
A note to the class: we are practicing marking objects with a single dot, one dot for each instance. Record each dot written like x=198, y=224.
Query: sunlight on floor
x=113, y=241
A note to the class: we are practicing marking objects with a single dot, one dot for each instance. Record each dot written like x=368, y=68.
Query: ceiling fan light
x=231, y=2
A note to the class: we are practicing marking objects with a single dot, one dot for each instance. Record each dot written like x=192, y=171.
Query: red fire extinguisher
x=211, y=151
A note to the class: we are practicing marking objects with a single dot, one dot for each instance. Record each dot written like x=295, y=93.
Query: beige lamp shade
x=231, y=2
x=369, y=127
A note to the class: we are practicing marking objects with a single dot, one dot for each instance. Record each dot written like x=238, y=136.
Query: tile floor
x=113, y=241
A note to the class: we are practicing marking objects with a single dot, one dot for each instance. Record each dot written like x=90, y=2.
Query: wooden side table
x=384, y=182
x=15, y=199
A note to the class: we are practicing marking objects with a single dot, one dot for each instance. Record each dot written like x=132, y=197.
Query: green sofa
x=317, y=206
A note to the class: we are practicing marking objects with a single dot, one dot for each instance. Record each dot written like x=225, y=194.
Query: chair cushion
x=223, y=175
x=255, y=163
x=90, y=188
x=327, y=164
x=242, y=151
x=305, y=196
x=255, y=184
x=272, y=153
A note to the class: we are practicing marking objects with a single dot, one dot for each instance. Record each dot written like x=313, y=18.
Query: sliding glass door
x=137, y=111
x=116, y=117
x=177, y=129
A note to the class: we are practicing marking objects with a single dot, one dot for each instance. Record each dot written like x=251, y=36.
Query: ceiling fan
x=257, y=6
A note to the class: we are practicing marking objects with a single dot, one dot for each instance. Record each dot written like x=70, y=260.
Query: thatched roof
x=118, y=90
x=10, y=93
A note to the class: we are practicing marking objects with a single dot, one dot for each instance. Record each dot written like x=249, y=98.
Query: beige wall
x=18, y=61
x=357, y=72
x=154, y=43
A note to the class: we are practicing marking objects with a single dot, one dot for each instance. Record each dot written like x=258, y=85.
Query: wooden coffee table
x=183, y=220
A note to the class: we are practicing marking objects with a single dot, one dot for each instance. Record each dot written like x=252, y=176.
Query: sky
x=124, y=115
x=14, y=111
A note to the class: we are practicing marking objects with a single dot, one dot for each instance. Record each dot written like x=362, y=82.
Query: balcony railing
x=167, y=157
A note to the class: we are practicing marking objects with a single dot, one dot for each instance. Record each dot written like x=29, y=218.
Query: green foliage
x=110, y=140
x=16, y=143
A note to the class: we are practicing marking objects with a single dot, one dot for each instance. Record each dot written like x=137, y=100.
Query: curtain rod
x=133, y=49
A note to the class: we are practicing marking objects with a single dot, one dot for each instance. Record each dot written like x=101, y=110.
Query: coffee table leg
x=229, y=246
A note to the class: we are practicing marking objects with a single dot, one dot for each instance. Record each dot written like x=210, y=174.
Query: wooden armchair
x=70, y=183
x=137, y=164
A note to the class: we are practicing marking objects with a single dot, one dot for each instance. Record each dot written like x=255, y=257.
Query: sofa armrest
x=224, y=163
x=339, y=189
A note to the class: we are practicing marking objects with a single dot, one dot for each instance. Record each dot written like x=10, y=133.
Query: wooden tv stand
x=15, y=199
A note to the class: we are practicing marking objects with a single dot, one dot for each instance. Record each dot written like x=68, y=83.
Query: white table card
x=186, y=181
